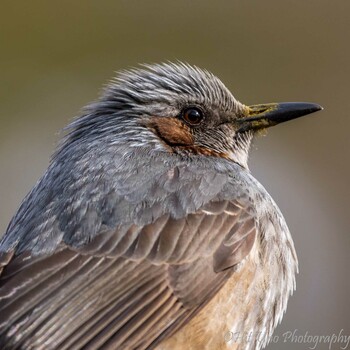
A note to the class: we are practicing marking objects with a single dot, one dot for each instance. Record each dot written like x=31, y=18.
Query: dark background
x=56, y=55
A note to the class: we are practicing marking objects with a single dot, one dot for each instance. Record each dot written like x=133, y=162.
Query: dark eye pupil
x=193, y=116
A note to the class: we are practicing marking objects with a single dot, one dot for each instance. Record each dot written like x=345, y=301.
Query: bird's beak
x=263, y=116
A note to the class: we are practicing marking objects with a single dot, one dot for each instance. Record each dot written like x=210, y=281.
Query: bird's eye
x=192, y=116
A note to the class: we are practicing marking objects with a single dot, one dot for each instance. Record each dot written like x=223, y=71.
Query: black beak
x=266, y=115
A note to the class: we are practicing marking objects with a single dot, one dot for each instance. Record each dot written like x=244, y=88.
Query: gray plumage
x=126, y=238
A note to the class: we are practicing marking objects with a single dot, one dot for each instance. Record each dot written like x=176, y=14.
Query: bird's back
x=134, y=285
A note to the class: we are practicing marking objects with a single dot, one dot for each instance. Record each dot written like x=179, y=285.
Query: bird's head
x=182, y=109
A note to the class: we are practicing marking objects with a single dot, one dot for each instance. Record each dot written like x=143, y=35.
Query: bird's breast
x=210, y=328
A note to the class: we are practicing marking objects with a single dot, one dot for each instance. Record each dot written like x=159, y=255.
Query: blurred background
x=56, y=56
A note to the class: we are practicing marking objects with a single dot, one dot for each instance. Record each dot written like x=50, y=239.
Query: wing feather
x=128, y=288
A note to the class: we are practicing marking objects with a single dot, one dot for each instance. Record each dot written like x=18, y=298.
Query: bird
x=148, y=230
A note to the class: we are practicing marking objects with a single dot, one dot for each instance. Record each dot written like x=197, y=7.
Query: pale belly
x=209, y=329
